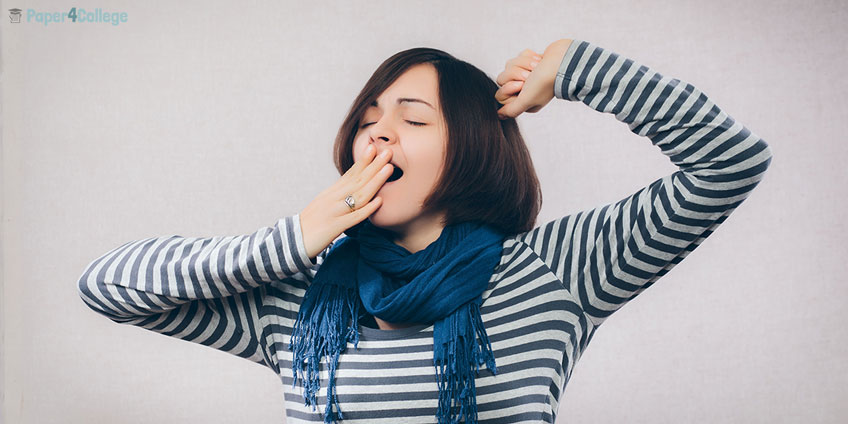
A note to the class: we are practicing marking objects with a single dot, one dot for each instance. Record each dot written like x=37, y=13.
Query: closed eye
x=417, y=124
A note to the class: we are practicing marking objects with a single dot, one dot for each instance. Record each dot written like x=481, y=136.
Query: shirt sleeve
x=202, y=290
x=607, y=255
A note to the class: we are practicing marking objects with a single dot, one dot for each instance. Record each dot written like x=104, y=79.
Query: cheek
x=429, y=167
x=436, y=169
x=358, y=148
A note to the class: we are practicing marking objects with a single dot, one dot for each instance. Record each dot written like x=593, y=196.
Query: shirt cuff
x=292, y=250
x=301, y=245
x=567, y=67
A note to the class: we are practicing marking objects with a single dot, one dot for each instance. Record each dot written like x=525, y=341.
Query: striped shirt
x=553, y=287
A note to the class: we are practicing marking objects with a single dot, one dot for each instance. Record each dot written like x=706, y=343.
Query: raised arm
x=203, y=290
x=607, y=255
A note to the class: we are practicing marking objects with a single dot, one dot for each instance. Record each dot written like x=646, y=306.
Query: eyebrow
x=405, y=100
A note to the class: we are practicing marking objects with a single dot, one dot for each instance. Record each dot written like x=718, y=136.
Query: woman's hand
x=527, y=81
x=328, y=216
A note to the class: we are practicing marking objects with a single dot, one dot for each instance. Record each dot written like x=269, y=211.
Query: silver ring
x=351, y=202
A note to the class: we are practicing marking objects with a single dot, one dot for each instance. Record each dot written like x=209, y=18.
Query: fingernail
x=537, y=57
x=525, y=74
x=385, y=154
x=369, y=149
x=533, y=64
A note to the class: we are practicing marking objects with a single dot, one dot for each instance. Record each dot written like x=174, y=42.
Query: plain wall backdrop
x=205, y=118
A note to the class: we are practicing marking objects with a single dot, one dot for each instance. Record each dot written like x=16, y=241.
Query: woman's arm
x=211, y=290
x=203, y=290
x=607, y=255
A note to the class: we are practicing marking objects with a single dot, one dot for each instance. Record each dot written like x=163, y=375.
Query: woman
x=417, y=288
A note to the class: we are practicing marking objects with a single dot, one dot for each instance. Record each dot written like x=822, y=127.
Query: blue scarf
x=441, y=285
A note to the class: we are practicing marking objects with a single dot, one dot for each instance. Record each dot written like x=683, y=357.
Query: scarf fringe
x=456, y=371
x=322, y=334
x=357, y=269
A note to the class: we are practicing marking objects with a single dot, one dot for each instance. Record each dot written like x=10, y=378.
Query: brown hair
x=488, y=174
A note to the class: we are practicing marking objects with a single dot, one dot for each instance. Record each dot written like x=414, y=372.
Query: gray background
x=204, y=118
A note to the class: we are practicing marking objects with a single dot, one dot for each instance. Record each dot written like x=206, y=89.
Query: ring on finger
x=351, y=202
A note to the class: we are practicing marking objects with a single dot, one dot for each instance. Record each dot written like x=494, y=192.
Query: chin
x=382, y=220
x=386, y=220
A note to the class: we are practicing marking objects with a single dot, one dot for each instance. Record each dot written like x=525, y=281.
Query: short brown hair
x=488, y=174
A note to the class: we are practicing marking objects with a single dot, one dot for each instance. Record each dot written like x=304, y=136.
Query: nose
x=381, y=136
x=381, y=132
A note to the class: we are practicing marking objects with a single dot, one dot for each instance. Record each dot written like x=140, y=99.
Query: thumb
x=516, y=106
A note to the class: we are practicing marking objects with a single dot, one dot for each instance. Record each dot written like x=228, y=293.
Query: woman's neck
x=383, y=325
x=420, y=233
x=417, y=236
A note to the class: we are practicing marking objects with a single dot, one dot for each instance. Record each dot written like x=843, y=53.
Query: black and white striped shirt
x=553, y=287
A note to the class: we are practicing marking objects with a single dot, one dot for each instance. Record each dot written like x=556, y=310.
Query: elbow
x=756, y=160
x=83, y=287
x=86, y=294
x=756, y=167
x=92, y=294
x=766, y=153
x=763, y=159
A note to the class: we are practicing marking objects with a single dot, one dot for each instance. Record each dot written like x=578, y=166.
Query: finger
x=510, y=100
x=359, y=215
x=373, y=186
x=508, y=90
x=530, y=53
x=522, y=61
x=532, y=62
x=360, y=176
x=341, y=208
x=374, y=167
x=507, y=75
x=363, y=161
x=527, y=62
x=512, y=109
x=516, y=72
x=379, y=179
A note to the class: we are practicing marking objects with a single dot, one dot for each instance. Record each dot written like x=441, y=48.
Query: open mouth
x=396, y=174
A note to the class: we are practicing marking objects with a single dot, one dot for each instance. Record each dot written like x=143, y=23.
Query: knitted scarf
x=440, y=285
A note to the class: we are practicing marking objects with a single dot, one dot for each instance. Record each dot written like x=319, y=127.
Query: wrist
x=308, y=248
x=555, y=53
x=558, y=48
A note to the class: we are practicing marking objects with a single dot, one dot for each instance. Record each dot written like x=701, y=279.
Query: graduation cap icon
x=15, y=15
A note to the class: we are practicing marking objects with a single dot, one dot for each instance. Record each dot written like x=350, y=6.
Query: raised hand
x=328, y=216
x=527, y=81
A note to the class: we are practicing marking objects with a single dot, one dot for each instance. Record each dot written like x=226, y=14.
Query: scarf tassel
x=454, y=368
x=321, y=333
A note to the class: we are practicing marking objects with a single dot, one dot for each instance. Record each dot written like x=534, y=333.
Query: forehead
x=417, y=88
